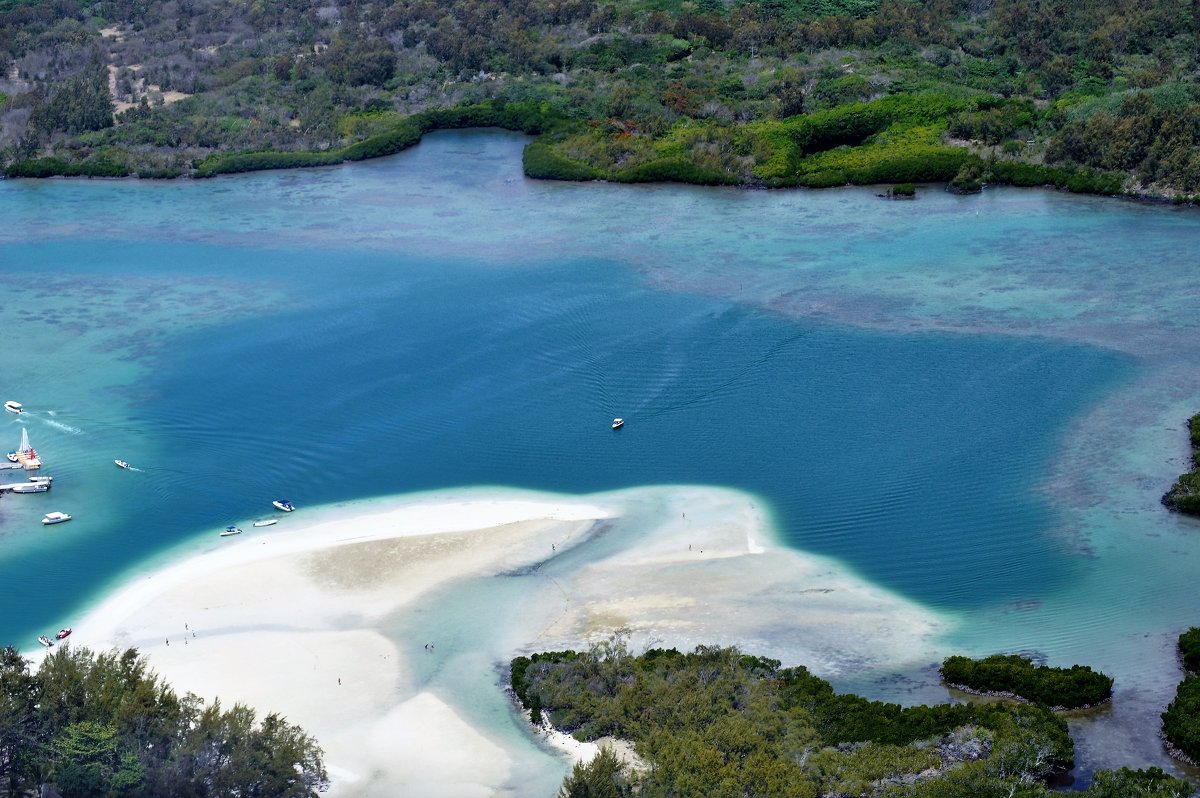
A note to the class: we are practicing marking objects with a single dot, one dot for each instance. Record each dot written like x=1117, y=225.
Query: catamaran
x=25, y=453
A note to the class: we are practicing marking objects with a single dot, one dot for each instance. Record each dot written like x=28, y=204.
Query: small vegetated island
x=716, y=722
x=101, y=726
x=1012, y=675
x=1184, y=495
x=1089, y=95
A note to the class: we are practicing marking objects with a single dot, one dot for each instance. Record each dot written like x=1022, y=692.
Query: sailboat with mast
x=25, y=454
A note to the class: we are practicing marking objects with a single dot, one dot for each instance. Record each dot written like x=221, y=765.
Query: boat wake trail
x=61, y=426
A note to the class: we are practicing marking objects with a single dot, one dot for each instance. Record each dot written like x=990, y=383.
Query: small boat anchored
x=14, y=407
x=283, y=504
x=231, y=530
x=45, y=641
x=55, y=518
x=63, y=634
x=266, y=522
x=122, y=464
x=618, y=423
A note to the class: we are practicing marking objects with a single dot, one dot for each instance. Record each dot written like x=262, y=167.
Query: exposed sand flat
x=314, y=618
x=712, y=573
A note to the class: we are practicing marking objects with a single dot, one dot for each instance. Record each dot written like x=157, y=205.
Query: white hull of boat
x=266, y=522
x=14, y=407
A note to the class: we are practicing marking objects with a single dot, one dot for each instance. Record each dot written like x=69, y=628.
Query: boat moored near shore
x=45, y=641
x=63, y=633
x=283, y=504
x=231, y=530
x=28, y=487
x=266, y=522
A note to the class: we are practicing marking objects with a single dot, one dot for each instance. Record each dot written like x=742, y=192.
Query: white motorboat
x=266, y=522
x=31, y=487
x=122, y=464
x=45, y=641
x=55, y=518
x=283, y=504
x=14, y=407
x=618, y=423
x=231, y=530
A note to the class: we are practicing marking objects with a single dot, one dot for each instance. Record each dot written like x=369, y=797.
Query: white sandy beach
x=312, y=618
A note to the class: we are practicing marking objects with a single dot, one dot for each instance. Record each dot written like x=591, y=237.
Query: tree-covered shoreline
x=98, y=725
x=759, y=93
x=717, y=722
x=1184, y=495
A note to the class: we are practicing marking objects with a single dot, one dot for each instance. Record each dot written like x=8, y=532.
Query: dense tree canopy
x=716, y=722
x=1094, y=95
x=1013, y=674
x=101, y=726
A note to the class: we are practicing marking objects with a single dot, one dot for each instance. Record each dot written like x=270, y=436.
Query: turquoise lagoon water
x=974, y=402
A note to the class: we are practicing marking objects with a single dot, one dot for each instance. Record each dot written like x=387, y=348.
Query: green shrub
x=42, y=167
x=969, y=178
x=1184, y=495
x=104, y=165
x=828, y=179
x=404, y=135
x=263, y=160
x=1189, y=650
x=1069, y=688
x=1181, y=721
x=673, y=169
x=542, y=160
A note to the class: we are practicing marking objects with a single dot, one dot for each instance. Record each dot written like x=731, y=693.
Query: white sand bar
x=327, y=618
